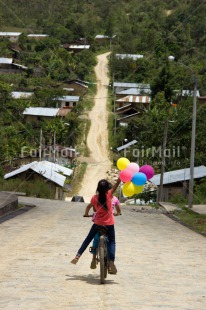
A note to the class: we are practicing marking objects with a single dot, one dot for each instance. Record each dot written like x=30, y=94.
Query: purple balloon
x=148, y=171
x=139, y=178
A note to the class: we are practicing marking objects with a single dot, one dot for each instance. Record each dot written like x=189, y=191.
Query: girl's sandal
x=75, y=260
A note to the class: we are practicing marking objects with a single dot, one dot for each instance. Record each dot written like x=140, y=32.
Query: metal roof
x=4, y=60
x=133, y=56
x=9, y=34
x=131, y=85
x=134, y=91
x=68, y=98
x=127, y=117
x=20, y=66
x=120, y=148
x=41, y=111
x=131, y=99
x=179, y=175
x=79, y=46
x=37, y=35
x=47, y=169
x=187, y=92
x=21, y=94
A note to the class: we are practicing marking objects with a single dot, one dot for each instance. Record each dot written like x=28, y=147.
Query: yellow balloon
x=128, y=189
x=122, y=163
x=138, y=189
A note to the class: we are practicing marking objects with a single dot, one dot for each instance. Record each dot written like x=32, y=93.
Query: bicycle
x=101, y=254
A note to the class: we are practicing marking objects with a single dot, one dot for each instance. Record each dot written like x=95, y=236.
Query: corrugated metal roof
x=20, y=66
x=10, y=34
x=136, y=99
x=4, y=60
x=41, y=111
x=187, y=92
x=134, y=91
x=101, y=36
x=79, y=46
x=179, y=175
x=133, y=56
x=46, y=169
x=21, y=94
x=37, y=35
x=131, y=85
x=120, y=148
x=127, y=117
x=68, y=98
x=125, y=106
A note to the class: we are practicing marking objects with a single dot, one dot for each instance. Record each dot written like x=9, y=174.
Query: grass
x=77, y=178
x=193, y=220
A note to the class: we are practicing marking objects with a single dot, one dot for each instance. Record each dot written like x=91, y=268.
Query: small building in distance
x=11, y=36
x=129, y=56
x=37, y=36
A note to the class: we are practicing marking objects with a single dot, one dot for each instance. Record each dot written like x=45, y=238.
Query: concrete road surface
x=161, y=264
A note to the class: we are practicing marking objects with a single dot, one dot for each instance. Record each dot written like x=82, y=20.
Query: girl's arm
x=113, y=189
x=86, y=213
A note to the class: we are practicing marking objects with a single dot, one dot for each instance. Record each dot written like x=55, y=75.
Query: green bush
x=178, y=199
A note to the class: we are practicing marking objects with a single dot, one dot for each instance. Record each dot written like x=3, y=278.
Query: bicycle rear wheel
x=102, y=250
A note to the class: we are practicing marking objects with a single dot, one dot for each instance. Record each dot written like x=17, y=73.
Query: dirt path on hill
x=97, y=140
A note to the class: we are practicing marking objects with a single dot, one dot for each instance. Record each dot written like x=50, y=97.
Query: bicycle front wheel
x=102, y=250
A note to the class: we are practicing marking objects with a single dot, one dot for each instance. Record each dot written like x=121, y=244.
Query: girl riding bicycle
x=102, y=204
x=93, y=249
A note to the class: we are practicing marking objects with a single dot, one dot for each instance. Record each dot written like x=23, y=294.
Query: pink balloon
x=148, y=171
x=125, y=175
x=133, y=167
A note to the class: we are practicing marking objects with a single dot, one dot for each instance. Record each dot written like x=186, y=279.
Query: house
x=67, y=101
x=37, y=114
x=138, y=102
x=11, y=36
x=37, y=36
x=21, y=95
x=121, y=86
x=129, y=56
x=76, y=47
x=100, y=38
x=79, y=87
x=177, y=181
x=52, y=173
x=7, y=66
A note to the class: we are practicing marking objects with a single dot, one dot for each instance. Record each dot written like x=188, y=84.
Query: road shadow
x=15, y=213
x=90, y=279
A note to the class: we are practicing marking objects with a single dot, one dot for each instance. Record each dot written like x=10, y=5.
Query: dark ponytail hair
x=102, y=189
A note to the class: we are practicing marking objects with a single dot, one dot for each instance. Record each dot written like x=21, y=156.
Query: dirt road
x=97, y=140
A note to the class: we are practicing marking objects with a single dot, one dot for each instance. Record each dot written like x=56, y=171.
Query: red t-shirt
x=102, y=216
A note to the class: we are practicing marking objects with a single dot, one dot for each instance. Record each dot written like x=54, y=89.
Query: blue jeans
x=111, y=241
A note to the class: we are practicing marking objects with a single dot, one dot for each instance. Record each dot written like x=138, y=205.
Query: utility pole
x=192, y=156
x=40, y=146
x=54, y=146
x=160, y=193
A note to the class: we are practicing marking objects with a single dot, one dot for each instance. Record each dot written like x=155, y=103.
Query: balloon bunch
x=133, y=176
